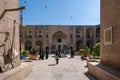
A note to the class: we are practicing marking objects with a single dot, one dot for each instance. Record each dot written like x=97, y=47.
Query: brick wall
x=110, y=16
x=6, y=25
x=65, y=29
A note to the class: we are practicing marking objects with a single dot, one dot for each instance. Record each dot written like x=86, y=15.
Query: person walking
x=47, y=53
x=57, y=56
x=42, y=54
x=72, y=52
x=59, y=52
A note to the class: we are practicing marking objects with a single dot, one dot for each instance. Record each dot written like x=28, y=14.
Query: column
x=94, y=35
x=84, y=32
x=33, y=37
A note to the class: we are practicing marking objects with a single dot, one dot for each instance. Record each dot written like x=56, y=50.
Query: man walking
x=72, y=52
x=57, y=56
x=47, y=53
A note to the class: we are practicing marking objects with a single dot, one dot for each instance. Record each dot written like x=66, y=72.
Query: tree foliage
x=87, y=49
x=96, y=49
x=82, y=51
x=26, y=52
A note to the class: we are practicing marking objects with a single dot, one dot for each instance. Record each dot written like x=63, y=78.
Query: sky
x=63, y=12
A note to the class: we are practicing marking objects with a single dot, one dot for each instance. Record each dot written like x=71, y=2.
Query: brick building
x=9, y=35
x=110, y=21
x=60, y=36
x=109, y=66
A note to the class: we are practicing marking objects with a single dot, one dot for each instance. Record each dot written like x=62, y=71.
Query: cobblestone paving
x=67, y=69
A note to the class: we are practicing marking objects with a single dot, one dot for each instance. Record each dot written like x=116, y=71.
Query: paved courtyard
x=67, y=69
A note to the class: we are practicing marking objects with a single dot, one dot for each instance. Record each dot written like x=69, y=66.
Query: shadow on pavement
x=91, y=77
x=51, y=64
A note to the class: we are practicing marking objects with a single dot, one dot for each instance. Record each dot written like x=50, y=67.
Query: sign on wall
x=108, y=36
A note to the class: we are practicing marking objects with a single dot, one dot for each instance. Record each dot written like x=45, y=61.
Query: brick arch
x=90, y=32
x=59, y=39
x=28, y=45
x=58, y=32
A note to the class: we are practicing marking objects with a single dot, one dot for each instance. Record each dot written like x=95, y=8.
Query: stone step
x=102, y=72
x=18, y=73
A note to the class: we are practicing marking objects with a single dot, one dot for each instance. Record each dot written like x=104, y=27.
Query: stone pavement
x=67, y=69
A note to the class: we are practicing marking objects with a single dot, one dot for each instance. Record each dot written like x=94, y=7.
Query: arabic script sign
x=108, y=36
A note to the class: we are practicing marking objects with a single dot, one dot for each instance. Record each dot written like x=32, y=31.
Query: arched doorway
x=90, y=37
x=39, y=45
x=28, y=45
x=89, y=33
x=59, y=40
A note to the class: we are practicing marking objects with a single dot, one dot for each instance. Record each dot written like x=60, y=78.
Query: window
x=20, y=35
x=88, y=34
x=39, y=31
x=29, y=31
x=71, y=36
x=39, y=36
x=47, y=36
x=59, y=40
x=29, y=36
x=78, y=36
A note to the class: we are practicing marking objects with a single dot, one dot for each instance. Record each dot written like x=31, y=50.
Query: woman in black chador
x=72, y=52
x=57, y=56
x=47, y=53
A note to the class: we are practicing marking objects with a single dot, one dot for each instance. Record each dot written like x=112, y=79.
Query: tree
x=96, y=49
x=87, y=49
x=82, y=51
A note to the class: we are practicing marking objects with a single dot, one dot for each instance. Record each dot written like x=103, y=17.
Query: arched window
x=39, y=31
x=47, y=36
x=40, y=36
x=78, y=36
x=71, y=36
x=28, y=45
x=29, y=31
x=59, y=40
x=29, y=36
x=88, y=34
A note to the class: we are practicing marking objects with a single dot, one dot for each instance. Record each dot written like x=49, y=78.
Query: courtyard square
x=67, y=69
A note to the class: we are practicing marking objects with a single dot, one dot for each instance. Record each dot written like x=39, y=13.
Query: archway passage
x=59, y=40
x=89, y=33
x=28, y=45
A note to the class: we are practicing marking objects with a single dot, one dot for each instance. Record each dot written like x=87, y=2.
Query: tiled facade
x=60, y=36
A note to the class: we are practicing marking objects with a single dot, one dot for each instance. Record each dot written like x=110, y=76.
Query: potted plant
x=26, y=54
x=93, y=54
x=33, y=54
x=82, y=52
x=96, y=50
x=87, y=51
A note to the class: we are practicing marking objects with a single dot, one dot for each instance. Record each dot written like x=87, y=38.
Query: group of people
x=44, y=54
x=58, y=54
